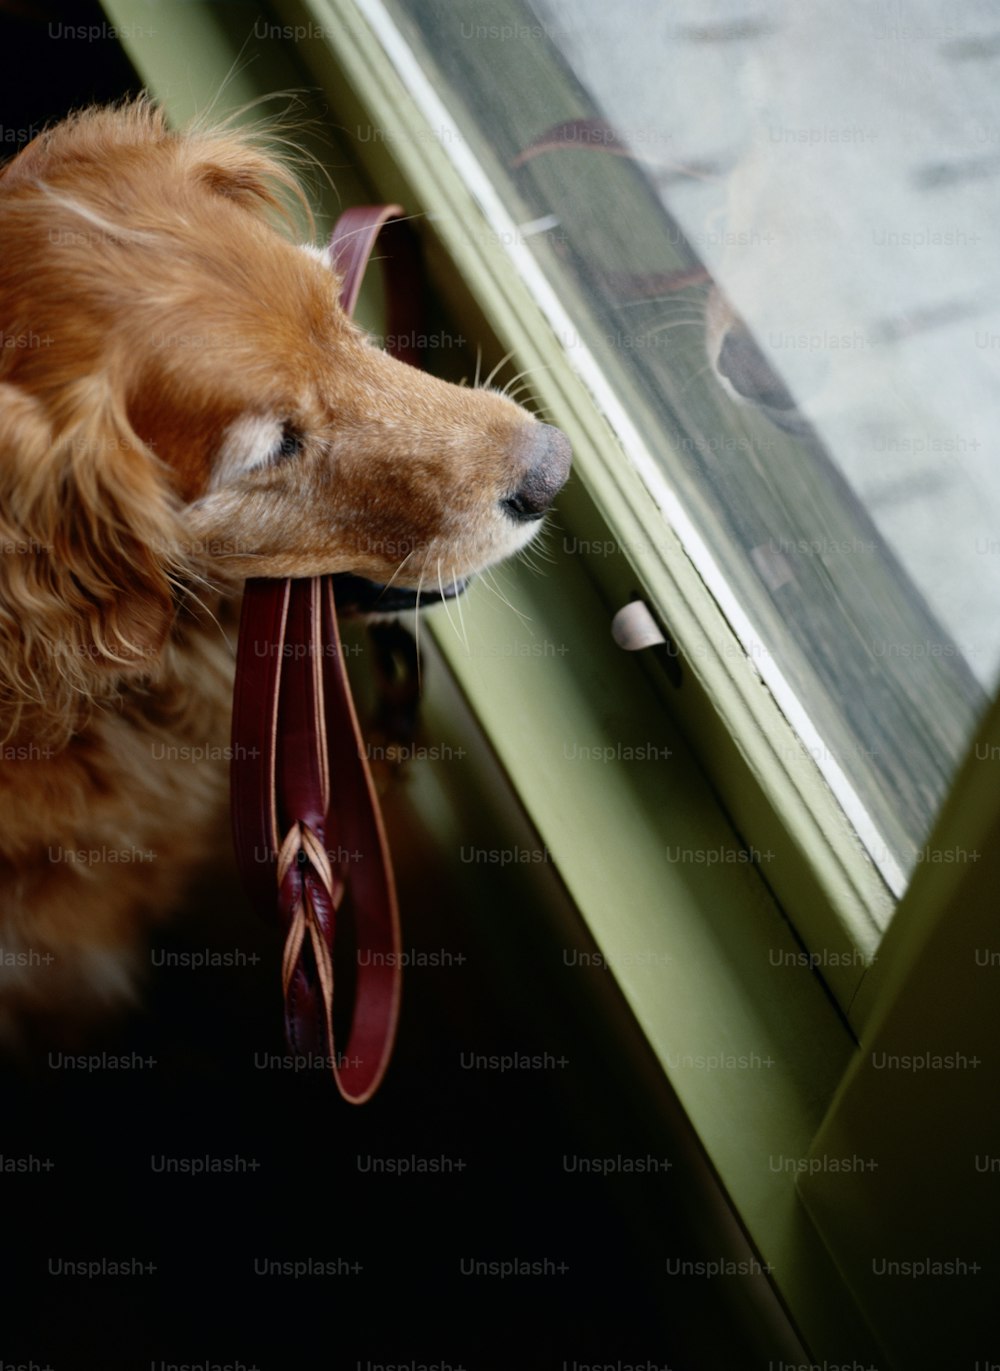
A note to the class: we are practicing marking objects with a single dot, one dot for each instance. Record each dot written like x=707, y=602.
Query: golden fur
x=182, y=403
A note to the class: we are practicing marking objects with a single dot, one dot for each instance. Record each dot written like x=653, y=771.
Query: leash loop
x=299, y=766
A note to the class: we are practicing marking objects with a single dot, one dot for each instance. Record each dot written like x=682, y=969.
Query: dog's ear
x=89, y=534
x=229, y=164
x=239, y=174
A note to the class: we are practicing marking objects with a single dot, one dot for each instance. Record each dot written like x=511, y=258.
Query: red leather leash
x=308, y=832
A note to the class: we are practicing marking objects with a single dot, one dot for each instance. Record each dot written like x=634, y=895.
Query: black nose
x=547, y=458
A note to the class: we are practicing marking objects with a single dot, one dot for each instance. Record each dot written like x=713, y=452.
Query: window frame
x=772, y=787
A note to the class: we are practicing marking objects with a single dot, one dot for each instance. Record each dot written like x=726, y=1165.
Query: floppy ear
x=89, y=536
x=229, y=163
x=238, y=173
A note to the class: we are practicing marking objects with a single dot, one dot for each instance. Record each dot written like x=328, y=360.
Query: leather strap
x=309, y=838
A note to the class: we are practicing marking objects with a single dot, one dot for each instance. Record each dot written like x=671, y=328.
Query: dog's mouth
x=356, y=595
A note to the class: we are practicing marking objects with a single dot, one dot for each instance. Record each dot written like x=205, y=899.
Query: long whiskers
x=398, y=569
x=461, y=620
x=532, y=555
x=490, y=581
x=460, y=636
x=527, y=371
x=416, y=632
x=499, y=366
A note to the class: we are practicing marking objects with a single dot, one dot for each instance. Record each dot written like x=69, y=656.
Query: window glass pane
x=775, y=227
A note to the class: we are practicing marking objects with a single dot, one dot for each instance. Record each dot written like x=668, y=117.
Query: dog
x=183, y=403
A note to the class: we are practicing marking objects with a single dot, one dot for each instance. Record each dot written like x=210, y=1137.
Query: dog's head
x=179, y=387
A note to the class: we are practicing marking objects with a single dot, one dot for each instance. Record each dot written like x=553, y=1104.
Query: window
x=768, y=229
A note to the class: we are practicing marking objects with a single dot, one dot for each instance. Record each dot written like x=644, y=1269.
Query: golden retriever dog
x=183, y=403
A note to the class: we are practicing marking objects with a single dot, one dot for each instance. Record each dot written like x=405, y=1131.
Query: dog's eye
x=291, y=445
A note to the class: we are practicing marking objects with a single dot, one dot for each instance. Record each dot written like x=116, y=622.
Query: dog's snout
x=547, y=463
